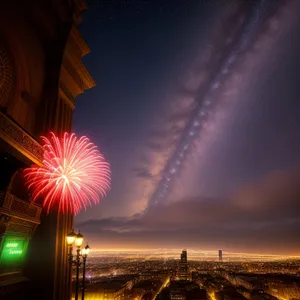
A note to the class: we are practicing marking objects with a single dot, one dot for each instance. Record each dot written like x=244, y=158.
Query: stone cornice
x=68, y=71
x=81, y=70
x=88, y=81
x=79, y=74
x=79, y=40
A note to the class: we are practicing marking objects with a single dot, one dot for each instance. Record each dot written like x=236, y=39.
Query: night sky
x=197, y=110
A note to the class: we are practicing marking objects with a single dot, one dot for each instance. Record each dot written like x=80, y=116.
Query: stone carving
x=15, y=228
x=21, y=222
x=23, y=208
x=15, y=133
x=28, y=210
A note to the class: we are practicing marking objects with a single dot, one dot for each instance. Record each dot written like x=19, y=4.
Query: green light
x=12, y=245
x=13, y=250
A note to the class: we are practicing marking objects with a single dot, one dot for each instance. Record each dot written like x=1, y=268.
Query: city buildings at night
x=183, y=266
x=41, y=74
x=138, y=275
x=220, y=255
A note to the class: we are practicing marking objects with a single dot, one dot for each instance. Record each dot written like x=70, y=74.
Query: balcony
x=15, y=136
x=21, y=217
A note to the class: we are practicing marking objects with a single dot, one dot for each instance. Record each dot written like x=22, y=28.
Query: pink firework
x=74, y=176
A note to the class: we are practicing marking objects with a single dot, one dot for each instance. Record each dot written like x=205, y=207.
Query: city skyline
x=183, y=277
x=198, y=254
x=237, y=186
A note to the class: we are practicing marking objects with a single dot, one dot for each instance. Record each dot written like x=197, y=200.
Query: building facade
x=41, y=73
x=183, y=266
x=220, y=255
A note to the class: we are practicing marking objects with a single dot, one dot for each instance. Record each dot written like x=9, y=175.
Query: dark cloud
x=261, y=217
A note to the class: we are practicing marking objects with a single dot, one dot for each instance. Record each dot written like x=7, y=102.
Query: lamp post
x=84, y=252
x=78, y=243
x=72, y=238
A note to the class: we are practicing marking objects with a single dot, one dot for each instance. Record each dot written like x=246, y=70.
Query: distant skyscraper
x=220, y=255
x=183, y=267
x=183, y=257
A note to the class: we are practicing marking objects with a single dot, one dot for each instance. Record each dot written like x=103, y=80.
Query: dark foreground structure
x=41, y=73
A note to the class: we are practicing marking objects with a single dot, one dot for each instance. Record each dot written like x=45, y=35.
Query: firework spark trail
x=197, y=121
x=74, y=174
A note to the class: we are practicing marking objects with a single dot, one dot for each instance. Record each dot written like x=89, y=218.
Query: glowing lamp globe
x=75, y=174
x=79, y=240
x=70, y=238
x=86, y=250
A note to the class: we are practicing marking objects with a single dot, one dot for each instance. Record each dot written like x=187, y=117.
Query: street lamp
x=77, y=239
x=70, y=239
x=78, y=243
x=84, y=252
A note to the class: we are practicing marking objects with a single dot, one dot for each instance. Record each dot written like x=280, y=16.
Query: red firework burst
x=75, y=174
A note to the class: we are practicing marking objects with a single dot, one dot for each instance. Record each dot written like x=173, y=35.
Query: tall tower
x=183, y=266
x=220, y=255
x=183, y=257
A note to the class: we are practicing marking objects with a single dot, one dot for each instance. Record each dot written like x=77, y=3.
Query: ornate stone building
x=41, y=73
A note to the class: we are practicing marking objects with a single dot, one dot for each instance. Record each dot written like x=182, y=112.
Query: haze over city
x=226, y=179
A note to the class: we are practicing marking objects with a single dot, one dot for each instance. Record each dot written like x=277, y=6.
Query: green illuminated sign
x=13, y=250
